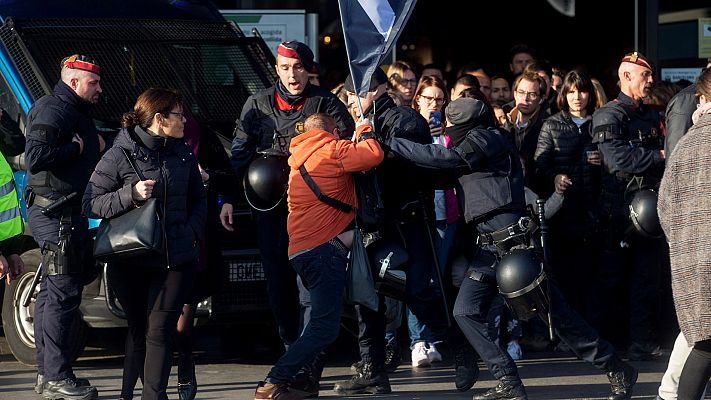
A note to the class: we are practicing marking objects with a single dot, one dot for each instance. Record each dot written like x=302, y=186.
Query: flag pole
x=350, y=65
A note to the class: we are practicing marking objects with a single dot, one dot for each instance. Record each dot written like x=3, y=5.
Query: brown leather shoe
x=271, y=391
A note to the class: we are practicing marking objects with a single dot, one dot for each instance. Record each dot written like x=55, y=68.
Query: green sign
x=704, y=37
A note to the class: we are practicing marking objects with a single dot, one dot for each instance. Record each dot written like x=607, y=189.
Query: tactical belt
x=42, y=201
x=522, y=226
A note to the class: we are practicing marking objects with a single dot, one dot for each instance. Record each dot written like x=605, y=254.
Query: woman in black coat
x=153, y=289
x=567, y=162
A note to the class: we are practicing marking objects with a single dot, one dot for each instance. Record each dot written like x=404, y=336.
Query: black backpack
x=370, y=216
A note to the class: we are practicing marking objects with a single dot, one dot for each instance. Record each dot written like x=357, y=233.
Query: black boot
x=510, y=388
x=187, y=382
x=39, y=384
x=370, y=378
x=305, y=385
x=621, y=382
x=68, y=389
x=465, y=368
x=393, y=356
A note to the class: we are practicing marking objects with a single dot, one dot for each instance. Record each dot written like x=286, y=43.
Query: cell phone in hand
x=436, y=118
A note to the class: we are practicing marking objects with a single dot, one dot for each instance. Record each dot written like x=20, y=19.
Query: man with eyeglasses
x=269, y=119
x=629, y=136
x=526, y=119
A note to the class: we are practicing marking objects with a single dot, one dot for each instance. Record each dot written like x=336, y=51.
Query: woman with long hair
x=568, y=163
x=402, y=82
x=684, y=194
x=429, y=100
x=152, y=288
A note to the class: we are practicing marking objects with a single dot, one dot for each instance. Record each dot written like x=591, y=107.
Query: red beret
x=300, y=51
x=639, y=59
x=80, y=62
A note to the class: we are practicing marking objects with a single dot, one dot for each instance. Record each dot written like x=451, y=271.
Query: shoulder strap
x=337, y=204
x=133, y=164
x=312, y=105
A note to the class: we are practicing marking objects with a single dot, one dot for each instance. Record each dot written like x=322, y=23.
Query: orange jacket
x=329, y=161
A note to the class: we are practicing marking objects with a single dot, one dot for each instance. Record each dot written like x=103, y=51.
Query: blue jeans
x=323, y=271
x=444, y=240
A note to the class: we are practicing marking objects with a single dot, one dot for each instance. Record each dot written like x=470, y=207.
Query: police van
x=186, y=45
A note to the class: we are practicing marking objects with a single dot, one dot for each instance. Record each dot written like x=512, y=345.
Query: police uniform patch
x=299, y=128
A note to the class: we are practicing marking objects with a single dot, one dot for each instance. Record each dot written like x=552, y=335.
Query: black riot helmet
x=523, y=284
x=643, y=213
x=266, y=181
x=386, y=259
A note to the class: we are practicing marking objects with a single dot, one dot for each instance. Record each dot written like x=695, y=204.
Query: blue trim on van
x=16, y=85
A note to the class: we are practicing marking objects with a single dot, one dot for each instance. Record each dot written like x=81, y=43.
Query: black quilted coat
x=178, y=188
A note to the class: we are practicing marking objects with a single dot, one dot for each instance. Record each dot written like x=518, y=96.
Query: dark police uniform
x=492, y=197
x=261, y=123
x=629, y=136
x=56, y=168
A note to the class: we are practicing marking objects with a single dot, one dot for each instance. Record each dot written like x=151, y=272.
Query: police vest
x=10, y=215
x=283, y=127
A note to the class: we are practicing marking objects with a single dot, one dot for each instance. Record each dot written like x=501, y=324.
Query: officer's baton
x=58, y=204
x=544, y=244
x=426, y=221
x=35, y=281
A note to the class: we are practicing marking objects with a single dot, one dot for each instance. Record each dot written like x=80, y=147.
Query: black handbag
x=137, y=233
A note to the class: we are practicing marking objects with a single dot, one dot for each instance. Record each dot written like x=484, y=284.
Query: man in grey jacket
x=678, y=115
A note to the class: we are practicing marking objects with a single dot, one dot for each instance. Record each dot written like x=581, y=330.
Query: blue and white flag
x=370, y=29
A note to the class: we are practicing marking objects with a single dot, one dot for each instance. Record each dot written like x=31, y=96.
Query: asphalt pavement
x=230, y=365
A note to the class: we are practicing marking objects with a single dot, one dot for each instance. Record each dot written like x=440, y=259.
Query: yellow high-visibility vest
x=10, y=215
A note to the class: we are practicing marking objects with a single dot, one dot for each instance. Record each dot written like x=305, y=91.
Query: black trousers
x=696, y=372
x=152, y=300
x=628, y=277
x=282, y=288
x=477, y=299
x=58, y=299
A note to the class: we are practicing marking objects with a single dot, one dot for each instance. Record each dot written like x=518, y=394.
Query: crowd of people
x=459, y=165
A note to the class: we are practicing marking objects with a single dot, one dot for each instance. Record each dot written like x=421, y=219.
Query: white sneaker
x=432, y=354
x=514, y=350
x=419, y=355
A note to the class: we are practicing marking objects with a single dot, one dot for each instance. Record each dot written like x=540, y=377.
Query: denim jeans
x=323, y=271
x=444, y=240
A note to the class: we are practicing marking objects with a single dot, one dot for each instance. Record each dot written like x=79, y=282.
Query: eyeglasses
x=179, y=114
x=408, y=82
x=527, y=95
x=430, y=99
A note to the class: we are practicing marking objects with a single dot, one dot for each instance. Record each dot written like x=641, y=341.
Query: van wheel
x=18, y=321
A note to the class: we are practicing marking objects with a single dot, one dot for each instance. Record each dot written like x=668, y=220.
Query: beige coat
x=685, y=214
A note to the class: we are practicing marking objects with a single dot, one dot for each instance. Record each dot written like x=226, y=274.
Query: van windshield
x=211, y=63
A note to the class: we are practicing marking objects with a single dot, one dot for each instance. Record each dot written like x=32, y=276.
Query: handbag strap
x=133, y=164
x=335, y=203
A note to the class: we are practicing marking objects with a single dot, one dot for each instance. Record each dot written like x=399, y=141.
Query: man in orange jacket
x=320, y=235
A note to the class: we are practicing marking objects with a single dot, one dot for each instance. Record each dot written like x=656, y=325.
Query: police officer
x=492, y=197
x=630, y=140
x=407, y=197
x=63, y=147
x=269, y=119
x=12, y=143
